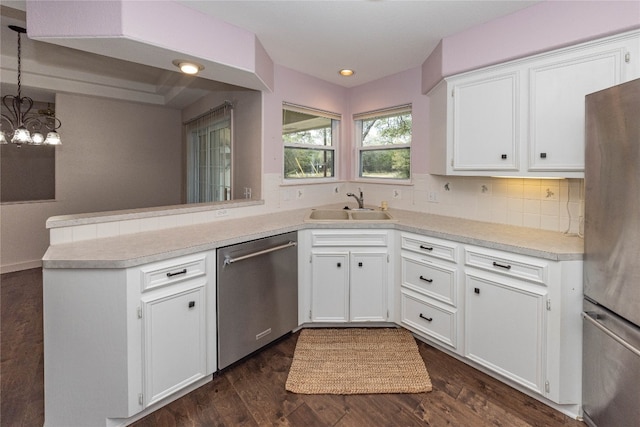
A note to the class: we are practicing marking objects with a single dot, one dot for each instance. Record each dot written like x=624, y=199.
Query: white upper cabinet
x=525, y=117
x=486, y=122
x=557, y=88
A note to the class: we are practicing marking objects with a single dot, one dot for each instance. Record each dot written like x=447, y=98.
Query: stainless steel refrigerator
x=611, y=327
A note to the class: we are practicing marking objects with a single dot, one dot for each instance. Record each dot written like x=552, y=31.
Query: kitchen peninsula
x=113, y=305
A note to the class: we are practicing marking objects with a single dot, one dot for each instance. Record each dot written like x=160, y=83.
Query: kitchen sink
x=322, y=215
x=370, y=216
x=329, y=215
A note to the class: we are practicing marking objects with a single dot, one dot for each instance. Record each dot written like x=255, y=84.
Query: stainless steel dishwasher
x=257, y=295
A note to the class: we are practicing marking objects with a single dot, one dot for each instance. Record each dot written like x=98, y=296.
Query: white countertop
x=142, y=248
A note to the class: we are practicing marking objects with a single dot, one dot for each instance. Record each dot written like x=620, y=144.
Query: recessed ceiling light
x=188, y=67
x=346, y=72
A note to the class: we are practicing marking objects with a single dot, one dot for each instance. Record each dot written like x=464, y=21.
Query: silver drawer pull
x=428, y=319
x=505, y=266
x=177, y=273
x=425, y=279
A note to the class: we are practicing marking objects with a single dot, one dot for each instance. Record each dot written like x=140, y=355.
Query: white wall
x=115, y=155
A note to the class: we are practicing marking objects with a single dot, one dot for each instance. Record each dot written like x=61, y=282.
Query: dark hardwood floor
x=251, y=393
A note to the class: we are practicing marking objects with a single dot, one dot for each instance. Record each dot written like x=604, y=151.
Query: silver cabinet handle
x=625, y=344
x=228, y=260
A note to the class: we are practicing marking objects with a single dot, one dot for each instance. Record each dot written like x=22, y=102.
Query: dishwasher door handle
x=228, y=260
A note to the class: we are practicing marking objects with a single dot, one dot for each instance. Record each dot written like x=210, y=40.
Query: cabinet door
x=557, y=98
x=330, y=287
x=486, y=123
x=505, y=329
x=368, y=287
x=174, y=337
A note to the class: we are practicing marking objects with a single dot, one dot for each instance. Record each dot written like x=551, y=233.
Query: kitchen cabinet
x=505, y=328
x=174, y=332
x=348, y=276
x=525, y=117
x=522, y=320
x=429, y=288
x=119, y=342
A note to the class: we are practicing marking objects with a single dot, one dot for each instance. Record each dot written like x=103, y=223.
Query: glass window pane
x=308, y=163
x=389, y=130
x=388, y=163
x=303, y=128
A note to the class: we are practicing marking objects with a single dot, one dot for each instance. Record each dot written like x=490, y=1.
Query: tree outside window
x=384, y=144
x=309, y=138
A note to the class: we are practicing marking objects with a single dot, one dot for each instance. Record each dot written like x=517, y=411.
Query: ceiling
x=375, y=38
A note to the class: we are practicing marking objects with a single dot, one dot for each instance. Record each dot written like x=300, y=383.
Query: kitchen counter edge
x=151, y=246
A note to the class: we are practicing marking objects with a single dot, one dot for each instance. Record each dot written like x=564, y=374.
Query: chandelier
x=27, y=127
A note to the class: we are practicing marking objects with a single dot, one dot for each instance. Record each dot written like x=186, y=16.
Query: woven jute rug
x=357, y=361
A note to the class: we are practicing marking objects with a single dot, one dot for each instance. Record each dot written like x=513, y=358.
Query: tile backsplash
x=548, y=204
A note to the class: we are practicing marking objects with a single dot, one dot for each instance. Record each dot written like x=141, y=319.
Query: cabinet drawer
x=173, y=271
x=349, y=238
x=521, y=267
x=430, y=246
x=434, y=280
x=430, y=319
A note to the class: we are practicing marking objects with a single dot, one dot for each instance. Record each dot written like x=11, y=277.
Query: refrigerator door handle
x=591, y=316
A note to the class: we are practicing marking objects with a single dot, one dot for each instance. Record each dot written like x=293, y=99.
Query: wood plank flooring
x=251, y=393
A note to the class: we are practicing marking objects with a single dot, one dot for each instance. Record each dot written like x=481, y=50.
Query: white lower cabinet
x=174, y=342
x=522, y=320
x=429, y=318
x=504, y=328
x=346, y=276
x=120, y=342
x=330, y=287
x=429, y=293
x=512, y=315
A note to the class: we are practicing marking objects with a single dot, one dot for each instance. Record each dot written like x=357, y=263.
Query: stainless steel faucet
x=360, y=199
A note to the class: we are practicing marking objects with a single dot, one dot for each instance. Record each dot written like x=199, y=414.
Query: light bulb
x=37, y=138
x=21, y=136
x=53, y=138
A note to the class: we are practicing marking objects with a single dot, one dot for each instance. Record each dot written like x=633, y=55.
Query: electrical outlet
x=484, y=189
x=432, y=197
x=397, y=194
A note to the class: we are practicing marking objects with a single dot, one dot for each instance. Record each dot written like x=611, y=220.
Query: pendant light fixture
x=26, y=127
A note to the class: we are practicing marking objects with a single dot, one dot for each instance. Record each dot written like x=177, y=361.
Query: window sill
x=406, y=182
x=309, y=181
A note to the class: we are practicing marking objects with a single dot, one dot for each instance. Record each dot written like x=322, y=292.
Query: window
x=384, y=143
x=209, y=142
x=309, y=137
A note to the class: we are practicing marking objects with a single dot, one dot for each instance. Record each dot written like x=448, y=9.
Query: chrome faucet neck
x=360, y=199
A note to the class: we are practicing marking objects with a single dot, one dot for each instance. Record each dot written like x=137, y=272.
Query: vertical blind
x=209, y=155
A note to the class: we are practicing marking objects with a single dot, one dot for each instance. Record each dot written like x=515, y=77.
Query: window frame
x=360, y=149
x=336, y=122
